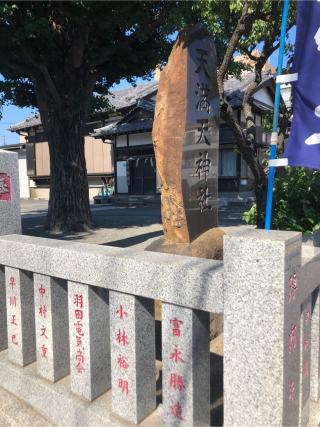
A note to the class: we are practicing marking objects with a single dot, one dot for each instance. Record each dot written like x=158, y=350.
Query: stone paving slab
x=15, y=413
x=64, y=407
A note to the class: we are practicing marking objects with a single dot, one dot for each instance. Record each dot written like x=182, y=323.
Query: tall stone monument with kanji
x=10, y=216
x=186, y=142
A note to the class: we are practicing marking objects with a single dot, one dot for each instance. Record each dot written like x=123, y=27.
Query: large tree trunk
x=69, y=208
x=63, y=115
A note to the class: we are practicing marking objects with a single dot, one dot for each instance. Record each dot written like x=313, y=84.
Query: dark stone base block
x=208, y=245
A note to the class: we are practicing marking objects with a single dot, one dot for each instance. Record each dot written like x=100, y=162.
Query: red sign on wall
x=5, y=187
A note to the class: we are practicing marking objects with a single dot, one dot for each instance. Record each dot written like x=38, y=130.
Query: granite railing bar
x=189, y=282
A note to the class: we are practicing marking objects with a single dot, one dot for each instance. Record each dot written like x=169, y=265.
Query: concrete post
x=262, y=328
x=186, y=366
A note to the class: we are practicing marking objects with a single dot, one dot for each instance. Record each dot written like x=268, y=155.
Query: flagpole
x=274, y=135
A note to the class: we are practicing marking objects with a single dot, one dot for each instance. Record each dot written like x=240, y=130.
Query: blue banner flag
x=303, y=147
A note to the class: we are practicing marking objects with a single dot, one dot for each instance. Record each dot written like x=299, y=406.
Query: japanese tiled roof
x=139, y=119
x=128, y=99
x=27, y=123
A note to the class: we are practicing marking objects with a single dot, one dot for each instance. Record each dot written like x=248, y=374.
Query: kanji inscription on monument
x=5, y=187
x=186, y=137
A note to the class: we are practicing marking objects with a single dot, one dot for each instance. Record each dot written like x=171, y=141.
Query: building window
x=227, y=163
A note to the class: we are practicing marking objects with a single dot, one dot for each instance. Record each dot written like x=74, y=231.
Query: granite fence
x=88, y=311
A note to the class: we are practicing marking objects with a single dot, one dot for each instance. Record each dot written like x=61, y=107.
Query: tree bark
x=69, y=208
x=63, y=108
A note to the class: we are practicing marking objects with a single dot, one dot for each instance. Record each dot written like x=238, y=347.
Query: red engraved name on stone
x=176, y=381
x=291, y=391
x=124, y=386
x=78, y=315
x=5, y=187
x=42, y=291
x=14, y=339
x=12, y=282
x=122, y=338
x=123, y=362
x=44, y=332
x=292, y=338
x=13, y=301
x=80, y=361
x=293, y=287
x=79, y=329
x=78, y=300
x=42, y=311
x=13, y=320
x=176, y=410
x=307, y=315
x=176, y=326
x=306, y=369
x=78, y=341
x=121, y=313
x=176, y=355
x=306, y=344
x=44, y=352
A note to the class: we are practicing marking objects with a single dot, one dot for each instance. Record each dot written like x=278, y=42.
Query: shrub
x=296, y=201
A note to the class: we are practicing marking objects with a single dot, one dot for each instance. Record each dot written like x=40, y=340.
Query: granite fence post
x=3, y=312
x=89, y=340
x=186, y=366
x=132, y=356
x=10, y=217
x=305, y=351
x=52, y=332
x=262, y=328
x=315, y=347
x=20, y=316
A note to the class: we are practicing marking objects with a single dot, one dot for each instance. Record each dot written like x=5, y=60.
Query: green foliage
x=109, y=40
x=296, y=201
x=221, y=18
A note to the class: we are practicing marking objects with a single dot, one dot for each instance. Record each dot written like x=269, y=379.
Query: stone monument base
x=208, y=245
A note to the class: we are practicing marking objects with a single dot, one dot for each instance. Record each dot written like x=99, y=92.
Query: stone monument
x=186, y=142
x=10, y=217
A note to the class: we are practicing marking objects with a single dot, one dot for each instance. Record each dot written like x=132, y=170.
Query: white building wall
x=23, y=177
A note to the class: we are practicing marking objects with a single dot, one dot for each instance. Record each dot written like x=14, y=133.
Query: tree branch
x=234, y=40
x=50, y=84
